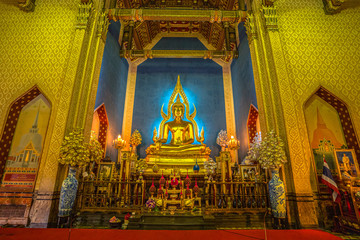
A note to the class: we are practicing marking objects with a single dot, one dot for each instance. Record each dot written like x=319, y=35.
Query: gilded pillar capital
x=137, y=15
x=82, y=17
x=215, y=16
x=250, y=26
x=269, y=2
x=102, y=25
x=270, y=17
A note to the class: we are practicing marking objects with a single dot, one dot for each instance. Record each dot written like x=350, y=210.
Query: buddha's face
x=178, y=111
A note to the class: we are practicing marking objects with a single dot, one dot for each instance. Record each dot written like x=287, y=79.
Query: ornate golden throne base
x=169, y=164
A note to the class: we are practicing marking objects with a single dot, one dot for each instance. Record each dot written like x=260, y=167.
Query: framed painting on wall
x=347, y=164
x=248, y=172
x=106, y=170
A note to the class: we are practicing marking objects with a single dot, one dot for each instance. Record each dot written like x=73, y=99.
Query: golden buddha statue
x=181, y=152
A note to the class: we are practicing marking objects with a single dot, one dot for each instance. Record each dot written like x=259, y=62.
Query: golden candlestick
x=119, y=143
x=233, y=143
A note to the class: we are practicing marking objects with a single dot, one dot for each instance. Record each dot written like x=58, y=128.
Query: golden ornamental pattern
x=34, y=48
x=34, y=51
x=319, y=50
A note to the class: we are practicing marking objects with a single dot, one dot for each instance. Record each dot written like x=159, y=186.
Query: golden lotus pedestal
x=176, y=159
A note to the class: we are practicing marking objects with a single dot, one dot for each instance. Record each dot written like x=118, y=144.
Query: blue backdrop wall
x=112, y=86
x=243, y=90
x=203, y=85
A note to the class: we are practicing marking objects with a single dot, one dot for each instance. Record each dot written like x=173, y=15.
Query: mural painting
x=324, y=131
x=25, y=153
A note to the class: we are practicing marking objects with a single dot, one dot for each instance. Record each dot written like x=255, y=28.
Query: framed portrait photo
x=248, y=172
x=106, y=170
x=347, y=164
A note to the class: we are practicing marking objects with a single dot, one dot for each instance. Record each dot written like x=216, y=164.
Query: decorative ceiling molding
x=205, y=54
x=185, y=35
x=146, y=31
x=176, y=15
x=188, y=4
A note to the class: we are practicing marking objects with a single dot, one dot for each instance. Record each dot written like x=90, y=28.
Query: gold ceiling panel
x=145, y=32
x=214, y=33
x=178, y=17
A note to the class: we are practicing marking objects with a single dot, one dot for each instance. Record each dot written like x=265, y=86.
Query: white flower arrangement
x=253, y=153
x=210, y=166
x=269, y=152
x=222, y=139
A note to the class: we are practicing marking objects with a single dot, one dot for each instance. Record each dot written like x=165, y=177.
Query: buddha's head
x=178, y=108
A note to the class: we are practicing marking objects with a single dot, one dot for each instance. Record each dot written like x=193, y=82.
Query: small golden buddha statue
x=181, y=151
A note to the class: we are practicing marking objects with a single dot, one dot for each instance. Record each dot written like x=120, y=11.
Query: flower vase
x=68, y=193
x=277, y=195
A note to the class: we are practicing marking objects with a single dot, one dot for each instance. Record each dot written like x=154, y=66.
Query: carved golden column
x=50, y=175
x=88, y=67
x=276, y=108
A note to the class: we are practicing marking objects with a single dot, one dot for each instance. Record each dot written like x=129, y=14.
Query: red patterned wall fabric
x=10, y=124
x=251, y=122
x=104, y=125
x=348, y=129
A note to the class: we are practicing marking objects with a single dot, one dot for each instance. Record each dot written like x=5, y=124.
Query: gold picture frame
x=106, y=170
x=347, y=165
x=248, y=172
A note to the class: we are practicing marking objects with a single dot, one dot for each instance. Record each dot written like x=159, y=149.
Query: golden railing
x=102, y=195
x=243, y=196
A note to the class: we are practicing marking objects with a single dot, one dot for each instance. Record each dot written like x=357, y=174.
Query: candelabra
x=233, y=143
x=119, y=144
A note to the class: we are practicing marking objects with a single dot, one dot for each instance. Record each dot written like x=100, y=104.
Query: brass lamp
x=119, y=144
x=233, y=143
